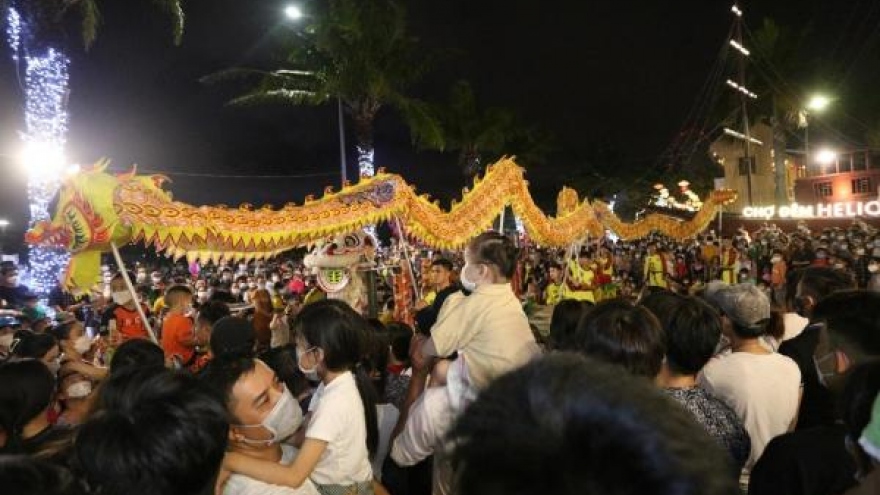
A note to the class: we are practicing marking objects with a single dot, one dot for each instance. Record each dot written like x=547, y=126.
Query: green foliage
x=357, y=50
x=50, y=14
x=481, y=135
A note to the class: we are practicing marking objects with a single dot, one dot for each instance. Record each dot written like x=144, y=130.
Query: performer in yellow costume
x=729, y=258
x=581, y=279
x=555, y=291
x=655, y=268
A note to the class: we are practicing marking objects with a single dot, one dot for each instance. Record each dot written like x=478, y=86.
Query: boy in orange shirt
x=178, y=337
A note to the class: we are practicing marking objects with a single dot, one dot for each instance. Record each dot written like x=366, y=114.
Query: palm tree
x=484, y=134
x=35, y=37
x=360, y=52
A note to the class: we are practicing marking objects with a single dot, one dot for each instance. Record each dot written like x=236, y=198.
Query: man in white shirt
x=262, y=413
x=761, y=386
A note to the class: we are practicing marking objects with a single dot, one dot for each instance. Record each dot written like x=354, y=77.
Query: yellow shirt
x=655, y=271
x=581, y=276
x=553, y=294
x=159, y=305
x=489, y=328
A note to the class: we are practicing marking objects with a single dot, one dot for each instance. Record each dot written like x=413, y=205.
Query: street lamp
x=293, y=12
x=826, y=156
x=816, y=104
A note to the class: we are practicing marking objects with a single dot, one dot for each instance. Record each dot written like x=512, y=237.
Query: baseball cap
x=744, y=304
x=232, y=335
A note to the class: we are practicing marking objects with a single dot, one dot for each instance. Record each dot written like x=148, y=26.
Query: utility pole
x=744, y=95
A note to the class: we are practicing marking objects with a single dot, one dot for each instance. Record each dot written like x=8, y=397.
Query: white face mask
x=156, y=280
x=775, y=259
x=276, y=278
x=79, y=390
x=282, y=421
x=202, y=295
x=141, y=277
x=122, y=297
x=860, y=251
x=54, y=366
x=235, y=292
x=6, y=340
x=873, y=267
x=82, y=344
x=468, y=284
x=311, y=373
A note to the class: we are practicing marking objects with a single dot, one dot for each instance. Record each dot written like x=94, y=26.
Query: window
x=862, y=185
x=823, y=189
x=860, y=161
x=743, y=170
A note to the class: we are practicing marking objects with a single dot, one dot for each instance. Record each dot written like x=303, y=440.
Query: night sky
x=623, y=72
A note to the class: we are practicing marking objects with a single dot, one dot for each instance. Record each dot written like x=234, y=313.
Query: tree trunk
x=470, y=161
x=363, y=129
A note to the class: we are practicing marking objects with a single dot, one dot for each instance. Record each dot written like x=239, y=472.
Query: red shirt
x=177, y=335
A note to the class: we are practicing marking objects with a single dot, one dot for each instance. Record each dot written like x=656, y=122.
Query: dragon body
x=96, y=208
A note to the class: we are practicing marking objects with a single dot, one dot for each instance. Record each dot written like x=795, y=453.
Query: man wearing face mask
x=262, y=413
x=75, y=394
x=123, y=314
x=815, y=461
x=10, y=290
x=814, y=285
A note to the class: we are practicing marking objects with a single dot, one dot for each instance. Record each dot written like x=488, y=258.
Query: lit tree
x=33, y=29
x=360, y=52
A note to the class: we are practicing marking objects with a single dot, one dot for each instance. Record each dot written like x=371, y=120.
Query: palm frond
x=276, y=97
x=422, y=120
x=91, y=19
x=174, y=10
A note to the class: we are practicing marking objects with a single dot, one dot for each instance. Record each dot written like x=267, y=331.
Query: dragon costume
x=96, y=209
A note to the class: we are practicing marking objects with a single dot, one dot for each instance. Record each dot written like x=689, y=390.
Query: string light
x=742, y=89
x=13, y=32
x=365, y=161
x=739, y=47
x=46, y=88
x=735, y=9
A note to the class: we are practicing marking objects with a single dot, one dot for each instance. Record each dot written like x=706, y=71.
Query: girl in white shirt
x=341, y=433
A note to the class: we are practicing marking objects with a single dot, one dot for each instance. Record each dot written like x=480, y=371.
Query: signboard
x=849, y=209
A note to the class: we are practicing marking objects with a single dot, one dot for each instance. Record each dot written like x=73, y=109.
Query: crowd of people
x=712, y=365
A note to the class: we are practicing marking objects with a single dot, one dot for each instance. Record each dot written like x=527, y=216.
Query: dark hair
x=27, y=344
x=660, y=304
x=341, y=333
x=820, y=281
x=175, y=291
x=400, y=335
x=153, y=431
x=376, y=357
x=62, y=331
x=564, y=322
x=213, y=311
x=135, y=354
x=27, y=475
x=282, y=360
x=590, y=429
x=445, y=263
x=221, y=375
x=621, y=333
x=692, y=329
x=28, y=387
x=223, y=295
x=852, y=318
x=857, y=398
x=118, y=276
x=496, y=249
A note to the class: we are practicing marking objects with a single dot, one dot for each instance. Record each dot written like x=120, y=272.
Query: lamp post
x=4, y=223
x=294, y=13
x=816, y=104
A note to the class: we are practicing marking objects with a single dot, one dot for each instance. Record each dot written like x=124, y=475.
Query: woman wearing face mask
x=25, y=401
x=341, y=431
x=75, y=345
x=75, y=394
